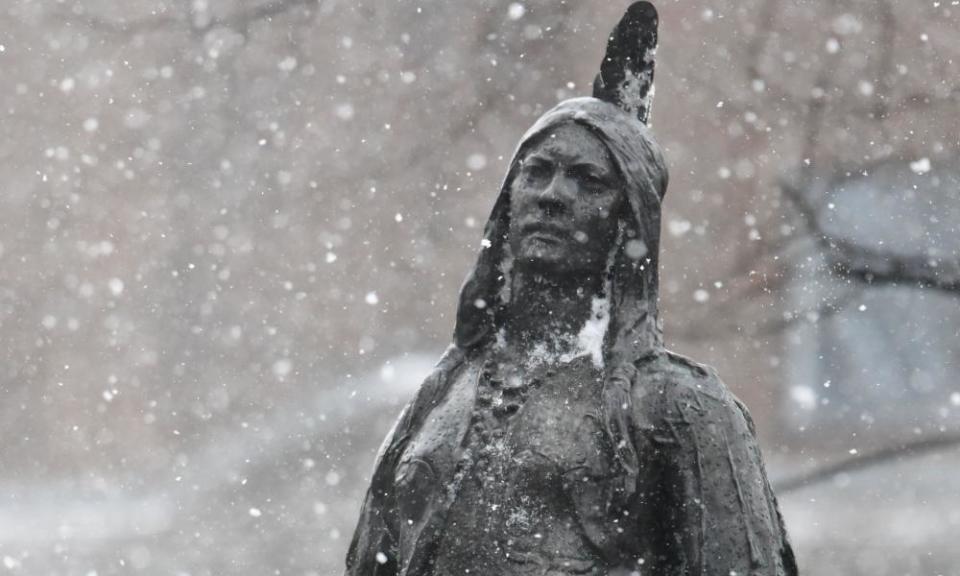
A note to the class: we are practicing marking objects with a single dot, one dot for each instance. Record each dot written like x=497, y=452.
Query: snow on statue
x=557, y=436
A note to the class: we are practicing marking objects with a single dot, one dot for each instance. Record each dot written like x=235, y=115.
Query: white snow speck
x=678, y=228
x=805, y=396
x=477, y=162
x=398, y=217
x=371, y=298
x=847, y=24
x=387, y=372
x=255, y=512
x=381, y=558
x=701, y=295
x=516, y=11
x=332, y=478
x=921, y=166
x=116, y=286
x=330, y=258
x=288, y=64
x=955, y=398
x=344, y=111
x=635, y=249
x=136, y=118
x=91, y=124
x=282, y=367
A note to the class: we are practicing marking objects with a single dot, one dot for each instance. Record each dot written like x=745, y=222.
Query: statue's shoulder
x=435, y=386
x=667, y=382
x=431, y=391
x=675, y=372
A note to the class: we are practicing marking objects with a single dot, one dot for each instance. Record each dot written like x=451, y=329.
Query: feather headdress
x=626, y=73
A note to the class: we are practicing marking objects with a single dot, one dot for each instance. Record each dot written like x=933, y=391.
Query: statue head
x=565, y=198
x=582, y=195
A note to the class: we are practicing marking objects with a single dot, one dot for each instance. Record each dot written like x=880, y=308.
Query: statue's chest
x=530, y=446
x=537, y=430
x=548, y=415
x=558, y=419
x=543, y=437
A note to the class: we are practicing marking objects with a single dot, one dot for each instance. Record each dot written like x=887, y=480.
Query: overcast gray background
x=233, y=232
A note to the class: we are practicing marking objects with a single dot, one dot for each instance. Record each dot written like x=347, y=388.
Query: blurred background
x=233, y=231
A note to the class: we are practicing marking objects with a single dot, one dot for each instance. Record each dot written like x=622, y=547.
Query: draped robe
x=678, y=486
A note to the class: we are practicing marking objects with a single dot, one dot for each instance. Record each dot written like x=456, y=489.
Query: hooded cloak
x=684, y=464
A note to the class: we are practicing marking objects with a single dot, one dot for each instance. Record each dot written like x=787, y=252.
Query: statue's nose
x=554, y=199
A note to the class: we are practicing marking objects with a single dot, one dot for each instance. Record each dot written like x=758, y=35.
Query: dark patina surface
x=557, y=436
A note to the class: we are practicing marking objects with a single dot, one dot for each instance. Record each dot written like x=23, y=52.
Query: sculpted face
x=564, y=203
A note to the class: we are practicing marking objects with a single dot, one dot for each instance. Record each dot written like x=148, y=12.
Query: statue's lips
x=545, y=232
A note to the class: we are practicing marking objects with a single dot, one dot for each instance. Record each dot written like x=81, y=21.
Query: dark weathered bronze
x=557, y=436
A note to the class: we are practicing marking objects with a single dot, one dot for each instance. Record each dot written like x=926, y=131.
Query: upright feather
x=626, y=73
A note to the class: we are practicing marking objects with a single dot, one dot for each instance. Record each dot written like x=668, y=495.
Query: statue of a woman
x=557, y=436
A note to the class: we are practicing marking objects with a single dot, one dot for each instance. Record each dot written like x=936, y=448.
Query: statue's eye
x=587, y=178
x=537, y=171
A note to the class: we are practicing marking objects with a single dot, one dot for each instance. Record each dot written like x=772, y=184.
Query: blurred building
x=873, y=363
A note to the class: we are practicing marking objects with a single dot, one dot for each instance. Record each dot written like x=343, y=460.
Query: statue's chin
x=549, y=258
x=541, y=256
x=547, y=265
x=540, y=266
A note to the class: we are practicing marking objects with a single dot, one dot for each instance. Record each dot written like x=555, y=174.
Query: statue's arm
x=373, y=550
x=720, y=514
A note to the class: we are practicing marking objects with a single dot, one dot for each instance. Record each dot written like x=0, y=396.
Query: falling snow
x=234, y=234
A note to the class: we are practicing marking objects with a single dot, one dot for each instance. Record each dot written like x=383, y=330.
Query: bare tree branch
x=850, y=260
x=239, y=21
x=121, y=25
x=242, y=20
x=913, y=102
x=882, y=456
x=887, y=36
x=742, y=320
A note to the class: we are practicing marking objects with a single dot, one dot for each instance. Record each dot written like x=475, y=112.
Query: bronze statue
x=557, y=436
